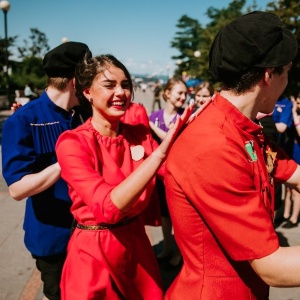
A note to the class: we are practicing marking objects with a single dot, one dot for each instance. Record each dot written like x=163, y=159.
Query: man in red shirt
x=221, y=202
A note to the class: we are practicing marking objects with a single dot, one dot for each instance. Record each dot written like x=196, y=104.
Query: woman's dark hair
x=246, y=81
x=89, y=68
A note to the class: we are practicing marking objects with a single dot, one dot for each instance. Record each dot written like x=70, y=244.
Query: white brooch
x=137, y=152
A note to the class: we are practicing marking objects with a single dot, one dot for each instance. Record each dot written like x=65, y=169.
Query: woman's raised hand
x=181, y=122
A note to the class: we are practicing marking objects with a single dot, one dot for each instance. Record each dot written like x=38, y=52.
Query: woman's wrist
x=159, y=154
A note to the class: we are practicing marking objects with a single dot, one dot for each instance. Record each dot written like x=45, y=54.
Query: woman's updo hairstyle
x=89, y=68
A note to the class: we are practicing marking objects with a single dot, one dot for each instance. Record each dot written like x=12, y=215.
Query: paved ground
x=19, y=279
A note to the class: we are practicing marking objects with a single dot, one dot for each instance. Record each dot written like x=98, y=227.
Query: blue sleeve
x=284, y=114
x=287, y=116
x=18, y=154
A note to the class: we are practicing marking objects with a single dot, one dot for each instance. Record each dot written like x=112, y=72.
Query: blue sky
x=137, y=32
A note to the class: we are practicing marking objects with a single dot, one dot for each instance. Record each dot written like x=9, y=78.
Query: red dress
x=106, y=264
x=221, y=205
x=137, y=114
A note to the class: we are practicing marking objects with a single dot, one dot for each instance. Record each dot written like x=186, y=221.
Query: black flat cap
x=62, y=60
x=257, y=39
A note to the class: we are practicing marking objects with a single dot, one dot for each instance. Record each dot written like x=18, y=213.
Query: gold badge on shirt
x=271, y=158
x=137, y=152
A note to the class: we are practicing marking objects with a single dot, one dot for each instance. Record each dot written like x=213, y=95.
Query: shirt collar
x=239, y=119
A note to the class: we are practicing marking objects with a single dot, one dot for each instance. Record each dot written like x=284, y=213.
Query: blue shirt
x=283, y=114
x=28, y=146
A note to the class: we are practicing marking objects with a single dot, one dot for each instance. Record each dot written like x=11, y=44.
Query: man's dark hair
x=247, y=81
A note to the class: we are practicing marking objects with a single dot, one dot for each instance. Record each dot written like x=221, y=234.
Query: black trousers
x=51, y=269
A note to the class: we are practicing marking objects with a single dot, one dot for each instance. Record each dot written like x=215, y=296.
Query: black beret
x=257, y=39
x=62, y=60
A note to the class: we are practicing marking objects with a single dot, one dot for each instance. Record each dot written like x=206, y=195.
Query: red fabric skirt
x=111, y=264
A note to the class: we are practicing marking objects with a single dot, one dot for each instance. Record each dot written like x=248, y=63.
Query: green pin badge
x=249, y=146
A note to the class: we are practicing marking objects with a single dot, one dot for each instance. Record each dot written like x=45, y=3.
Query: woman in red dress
x=110, y=168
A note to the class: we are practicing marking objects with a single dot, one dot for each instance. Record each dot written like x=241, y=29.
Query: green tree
x=192, y=36
x=289, y=12
x=10, y=43
x=29, y=70
x=36, y=46
x=187, y=41
x=31, y=67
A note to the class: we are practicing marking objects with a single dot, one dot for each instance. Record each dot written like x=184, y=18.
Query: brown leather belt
x=104, y=226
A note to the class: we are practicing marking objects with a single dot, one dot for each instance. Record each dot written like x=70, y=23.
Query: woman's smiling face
x=177, y=95
x=110, y=93
x=202, y=96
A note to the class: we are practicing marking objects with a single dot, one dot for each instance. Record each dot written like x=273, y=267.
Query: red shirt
x=221, y=204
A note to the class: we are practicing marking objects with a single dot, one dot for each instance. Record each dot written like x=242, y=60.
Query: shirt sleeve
x=152, y=116
x=141, y=115
x=285, y=166
x=136, y=114
x=18, y=153
x=87, y=185
x=286, y=115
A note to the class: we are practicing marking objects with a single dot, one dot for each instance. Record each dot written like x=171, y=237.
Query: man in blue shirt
x=283, y=119
x=30, y=167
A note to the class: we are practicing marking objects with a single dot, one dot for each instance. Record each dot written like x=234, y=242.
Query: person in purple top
x=283, y=119
x=175, y=94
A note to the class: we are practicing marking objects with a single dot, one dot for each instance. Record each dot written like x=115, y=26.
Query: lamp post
x=5, y=6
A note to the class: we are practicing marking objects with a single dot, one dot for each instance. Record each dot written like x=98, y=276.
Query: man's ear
x=268, y=75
